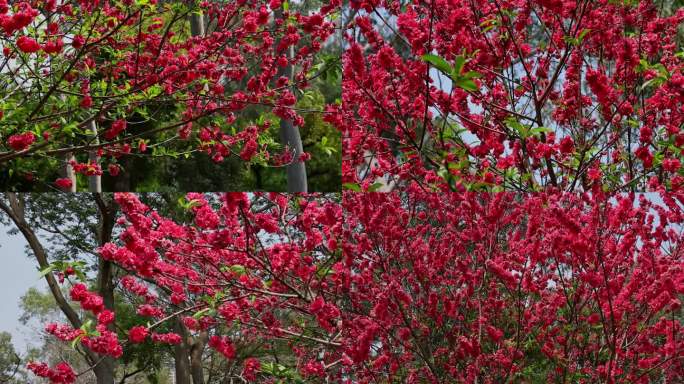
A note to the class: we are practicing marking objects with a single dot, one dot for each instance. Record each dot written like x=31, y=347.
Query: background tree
x=10, y=362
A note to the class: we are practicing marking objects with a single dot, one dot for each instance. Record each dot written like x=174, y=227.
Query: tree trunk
x=197, y=24
x=68, y=171
x=105, y=283
x=188, y=354
x=181, y=355
x=290, y=137
x=196, y=351
x=95, y=181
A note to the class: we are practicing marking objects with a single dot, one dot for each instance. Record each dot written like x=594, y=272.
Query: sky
x=17, y=274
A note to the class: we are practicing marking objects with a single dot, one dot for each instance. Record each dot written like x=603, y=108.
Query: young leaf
x=459, y=62
x=351, y=186
x=466, y=84
x=45, y=271
x=438, y=63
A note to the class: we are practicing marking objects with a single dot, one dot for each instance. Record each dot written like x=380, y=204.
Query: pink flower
x=251, y=366
x=87, y=101
x=114, y=169
x=27, y=44
x=166, y=338
x=137, y=334
x=64, y=183
x=117, y=127
x=223, y=346
x=105, y=317
x=21, y=141
x=567, y=145
x=249, y=150
x=671, y=164
x=62, y=374
x=78, y=41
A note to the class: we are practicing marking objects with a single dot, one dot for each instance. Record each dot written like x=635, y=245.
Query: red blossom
x=64, y=183
x=137, y=334
x=21, y=141
x=61, y=374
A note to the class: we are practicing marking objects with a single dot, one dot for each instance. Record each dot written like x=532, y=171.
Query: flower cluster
x=137, y=334
x=88, y=300
x=20, y=142
x=61, y=374
x=223, y=345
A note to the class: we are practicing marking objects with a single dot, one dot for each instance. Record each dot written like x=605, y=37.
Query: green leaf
x=581, y=35
x=375, y=187
x=198, y=315
x=75, y=341
x=438, y=63
x=286, y=6
x=46, y=270
x=538, y=130
x=238, y=269
x=351, y=186
x=472, y=75
x=522, y=130
x=86, y=326
x=466, y=84
x=81, y=276
x=459, y=62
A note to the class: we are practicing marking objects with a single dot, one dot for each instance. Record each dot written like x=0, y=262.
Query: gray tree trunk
x=290, y=138
x=187, y=359
x=197, y=24
x=196, y=352
x=68, y=171
x=95, y=181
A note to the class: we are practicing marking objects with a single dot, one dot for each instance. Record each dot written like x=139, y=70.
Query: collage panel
x=513, y=95
x=407, y=287
x=475, y=287
x=170, y=288
x=152, y=95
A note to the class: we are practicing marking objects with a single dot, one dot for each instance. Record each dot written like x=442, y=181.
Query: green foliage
x=462, y=80
x=9, y=359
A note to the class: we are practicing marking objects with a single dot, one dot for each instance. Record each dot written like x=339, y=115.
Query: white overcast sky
x=17, y=274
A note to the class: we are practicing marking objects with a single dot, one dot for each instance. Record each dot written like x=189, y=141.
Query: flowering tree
x=495, y=288
x=111, y=78
x=412, y=287
x=521, y=95
x=247, y=277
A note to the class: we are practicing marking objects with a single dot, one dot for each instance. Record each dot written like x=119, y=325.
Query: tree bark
x=290, y=138
x=181, y=355
x=289, y=135
x=197, y=24
x=105, y=273
x=196, y=351
x=95, y=181
x=68, y=171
